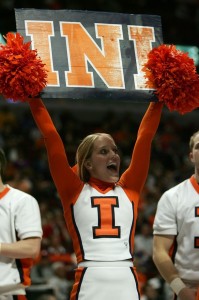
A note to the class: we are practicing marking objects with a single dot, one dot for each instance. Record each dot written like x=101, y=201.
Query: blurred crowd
x=176, y=14
x=28, y=170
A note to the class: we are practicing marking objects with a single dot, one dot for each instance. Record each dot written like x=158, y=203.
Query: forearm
x=165, y=266
x=151, y=119
x=41, y=116
x=141, y=154
x=28, y=248
x=46, y=127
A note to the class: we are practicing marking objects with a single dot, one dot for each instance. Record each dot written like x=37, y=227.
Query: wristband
x=177, y=285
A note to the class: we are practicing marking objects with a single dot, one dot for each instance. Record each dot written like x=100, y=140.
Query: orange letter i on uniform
x=196, y=238
x=106, y=217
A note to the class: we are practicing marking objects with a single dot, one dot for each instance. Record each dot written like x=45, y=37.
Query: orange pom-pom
x=173, y=74
x=22, y=73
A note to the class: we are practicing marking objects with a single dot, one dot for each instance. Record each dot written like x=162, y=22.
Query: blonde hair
x=191, y=141
x=84, y=152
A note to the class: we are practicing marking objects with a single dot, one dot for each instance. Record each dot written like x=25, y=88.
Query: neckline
x=4, y=192
x=101, y=185
x=195, y=183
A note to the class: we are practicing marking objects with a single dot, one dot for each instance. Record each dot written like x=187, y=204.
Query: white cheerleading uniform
x=108, y=239
x=102, y=225
x=178, y=214
x=19, y=219
x=100, y=216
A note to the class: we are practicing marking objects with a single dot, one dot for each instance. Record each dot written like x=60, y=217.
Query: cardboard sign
x=92, y=55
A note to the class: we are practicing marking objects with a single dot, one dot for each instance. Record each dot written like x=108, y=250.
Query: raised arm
x=66, y=181
x=135, y=176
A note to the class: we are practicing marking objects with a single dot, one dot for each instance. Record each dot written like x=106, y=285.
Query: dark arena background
x=27, y=161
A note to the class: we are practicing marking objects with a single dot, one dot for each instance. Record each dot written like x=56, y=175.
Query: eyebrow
x=102, y=147
x=105, y=146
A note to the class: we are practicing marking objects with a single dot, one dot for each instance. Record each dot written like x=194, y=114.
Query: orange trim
x=69, y=217
x=77, y=284
x=194, y=183
x=4, y=192
x=24, y=266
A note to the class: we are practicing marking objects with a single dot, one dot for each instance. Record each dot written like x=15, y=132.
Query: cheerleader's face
x=194, y=155
x=104, y=163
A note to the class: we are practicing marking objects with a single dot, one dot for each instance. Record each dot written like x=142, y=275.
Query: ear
x=191, y=156
x=87, y=164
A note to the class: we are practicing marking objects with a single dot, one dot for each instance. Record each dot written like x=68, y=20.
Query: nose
x=114, y=154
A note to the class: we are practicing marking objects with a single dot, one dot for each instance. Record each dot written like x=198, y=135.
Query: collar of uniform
x=4, y=192
x=194, y=183
x=100, y=185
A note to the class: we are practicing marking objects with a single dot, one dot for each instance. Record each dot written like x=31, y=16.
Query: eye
x=115, y=150
x=196, y=146
x=103, y=151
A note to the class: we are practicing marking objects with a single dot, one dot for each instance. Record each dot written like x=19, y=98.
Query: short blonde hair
x=84, y=152
x=191, y=141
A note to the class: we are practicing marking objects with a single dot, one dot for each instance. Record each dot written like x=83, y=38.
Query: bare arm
x=27, y=248
x=161, y=258
x=161, y=247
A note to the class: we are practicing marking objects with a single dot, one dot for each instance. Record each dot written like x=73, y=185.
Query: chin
x=114, y=179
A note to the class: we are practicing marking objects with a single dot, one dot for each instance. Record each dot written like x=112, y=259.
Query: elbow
x=35, y=253
x=154, y=258
x=34, y=249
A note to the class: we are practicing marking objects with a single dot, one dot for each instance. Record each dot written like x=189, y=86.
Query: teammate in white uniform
x=20, y=238
x=176, y=232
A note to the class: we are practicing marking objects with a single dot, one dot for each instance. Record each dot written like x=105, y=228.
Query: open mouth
x=112, y=167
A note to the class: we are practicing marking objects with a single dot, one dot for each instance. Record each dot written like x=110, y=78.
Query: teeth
x=112, y=164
